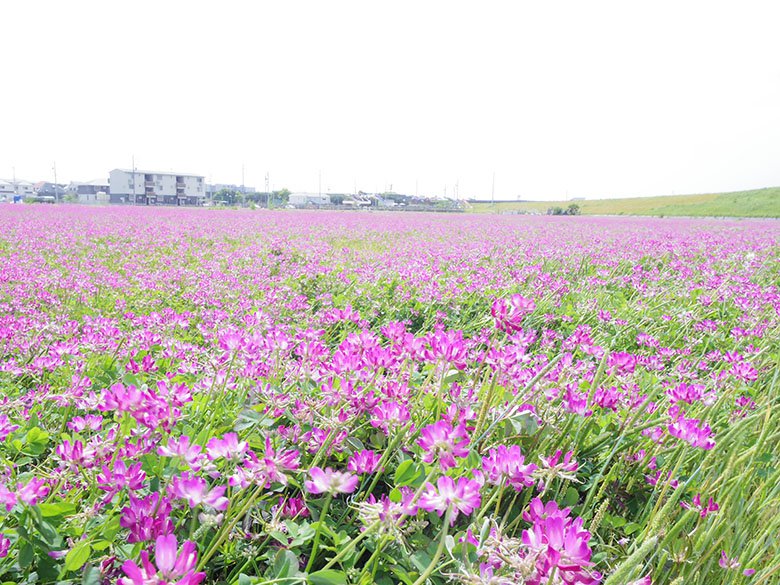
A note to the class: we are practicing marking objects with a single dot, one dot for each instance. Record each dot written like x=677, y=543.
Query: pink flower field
x=238, y=397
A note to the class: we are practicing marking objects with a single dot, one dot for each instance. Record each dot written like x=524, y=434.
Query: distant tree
x=281, y=197
x=229, y=196
x=573, y=209
x=337, y=199
x=555, y=210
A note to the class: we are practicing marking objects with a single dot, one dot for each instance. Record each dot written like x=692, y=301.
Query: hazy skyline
x=559, y=99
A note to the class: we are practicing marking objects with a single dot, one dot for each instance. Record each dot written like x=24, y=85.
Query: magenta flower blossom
x=71, y=455
x=509, y=313
x=509, y=464
x=710, y=507
x=33, y=491
x=228, y=447
x=389, y=415
x=363, y=462
x=147, y=518
x=692, y=431
x=172, y=567
x=329, y=481
x=5, y=544
x=121, y=477
x=269, y=469
x=182, y=448
x=195, y=490
x=6, y=428
x=444, y=442
x=92, y=422
x=539, y=511
x=560, y=545
x=7, y=498
x=462, y=496
x=292, y=507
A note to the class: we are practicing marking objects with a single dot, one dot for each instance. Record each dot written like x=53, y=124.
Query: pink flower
x=121, y=477
x=692, y=431
x=696, y=504
x=363, y=462
x=93, y=422
x=147, y=518
x=170, y=569
x=332, y=482
x=462, y=496
x=509, y=313
x=389, y=415
x=444, y=442
x=508, y=463
x=228, y=447
x=181, y=448
x=5, y=544
x=195, y=490
x=269, y=469
x=732, y=564
x=35, y=490
x=292, y=507
x=6, y=428
x=7, y=498
x=561, y=546
x=538, y=511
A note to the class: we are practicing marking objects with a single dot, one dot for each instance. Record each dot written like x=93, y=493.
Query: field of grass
x=756, y=203
x=287, y=398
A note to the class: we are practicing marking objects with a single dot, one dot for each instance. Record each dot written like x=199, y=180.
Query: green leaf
x=631, y=527
x=407, y=472
x=78, y=556
x=26, y=554
x=571, y=498
x=328, y=577
x=91, y=576
x=285, y=565
x=36, y=441
x=58, y=509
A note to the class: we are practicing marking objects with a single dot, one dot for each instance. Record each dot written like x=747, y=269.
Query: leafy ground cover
x=755, y=203
x=256, y=397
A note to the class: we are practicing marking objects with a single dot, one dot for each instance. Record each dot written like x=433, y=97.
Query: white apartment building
x=156, y=188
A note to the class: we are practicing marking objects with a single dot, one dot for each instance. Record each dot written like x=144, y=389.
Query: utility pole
x=135, y=200
x=267, y=190
x=242, y=177
x=493, y=190
x=56, y=192
x=320, y=185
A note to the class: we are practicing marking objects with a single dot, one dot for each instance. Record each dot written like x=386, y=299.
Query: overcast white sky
x=557, y=98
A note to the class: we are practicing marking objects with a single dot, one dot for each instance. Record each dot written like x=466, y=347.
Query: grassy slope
x=758, y=203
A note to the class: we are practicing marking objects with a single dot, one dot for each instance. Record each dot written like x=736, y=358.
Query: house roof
x=95, y=182
x=170, y=173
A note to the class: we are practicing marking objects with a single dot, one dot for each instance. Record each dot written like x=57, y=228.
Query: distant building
x=309, y=199
x=156, y=188
x=44, y=189
x=15, y=190
x=96, y=191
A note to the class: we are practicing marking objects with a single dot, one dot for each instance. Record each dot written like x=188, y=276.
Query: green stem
x=318, y=532
x=227, y=528
x=352, y=544
x=445, y=527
